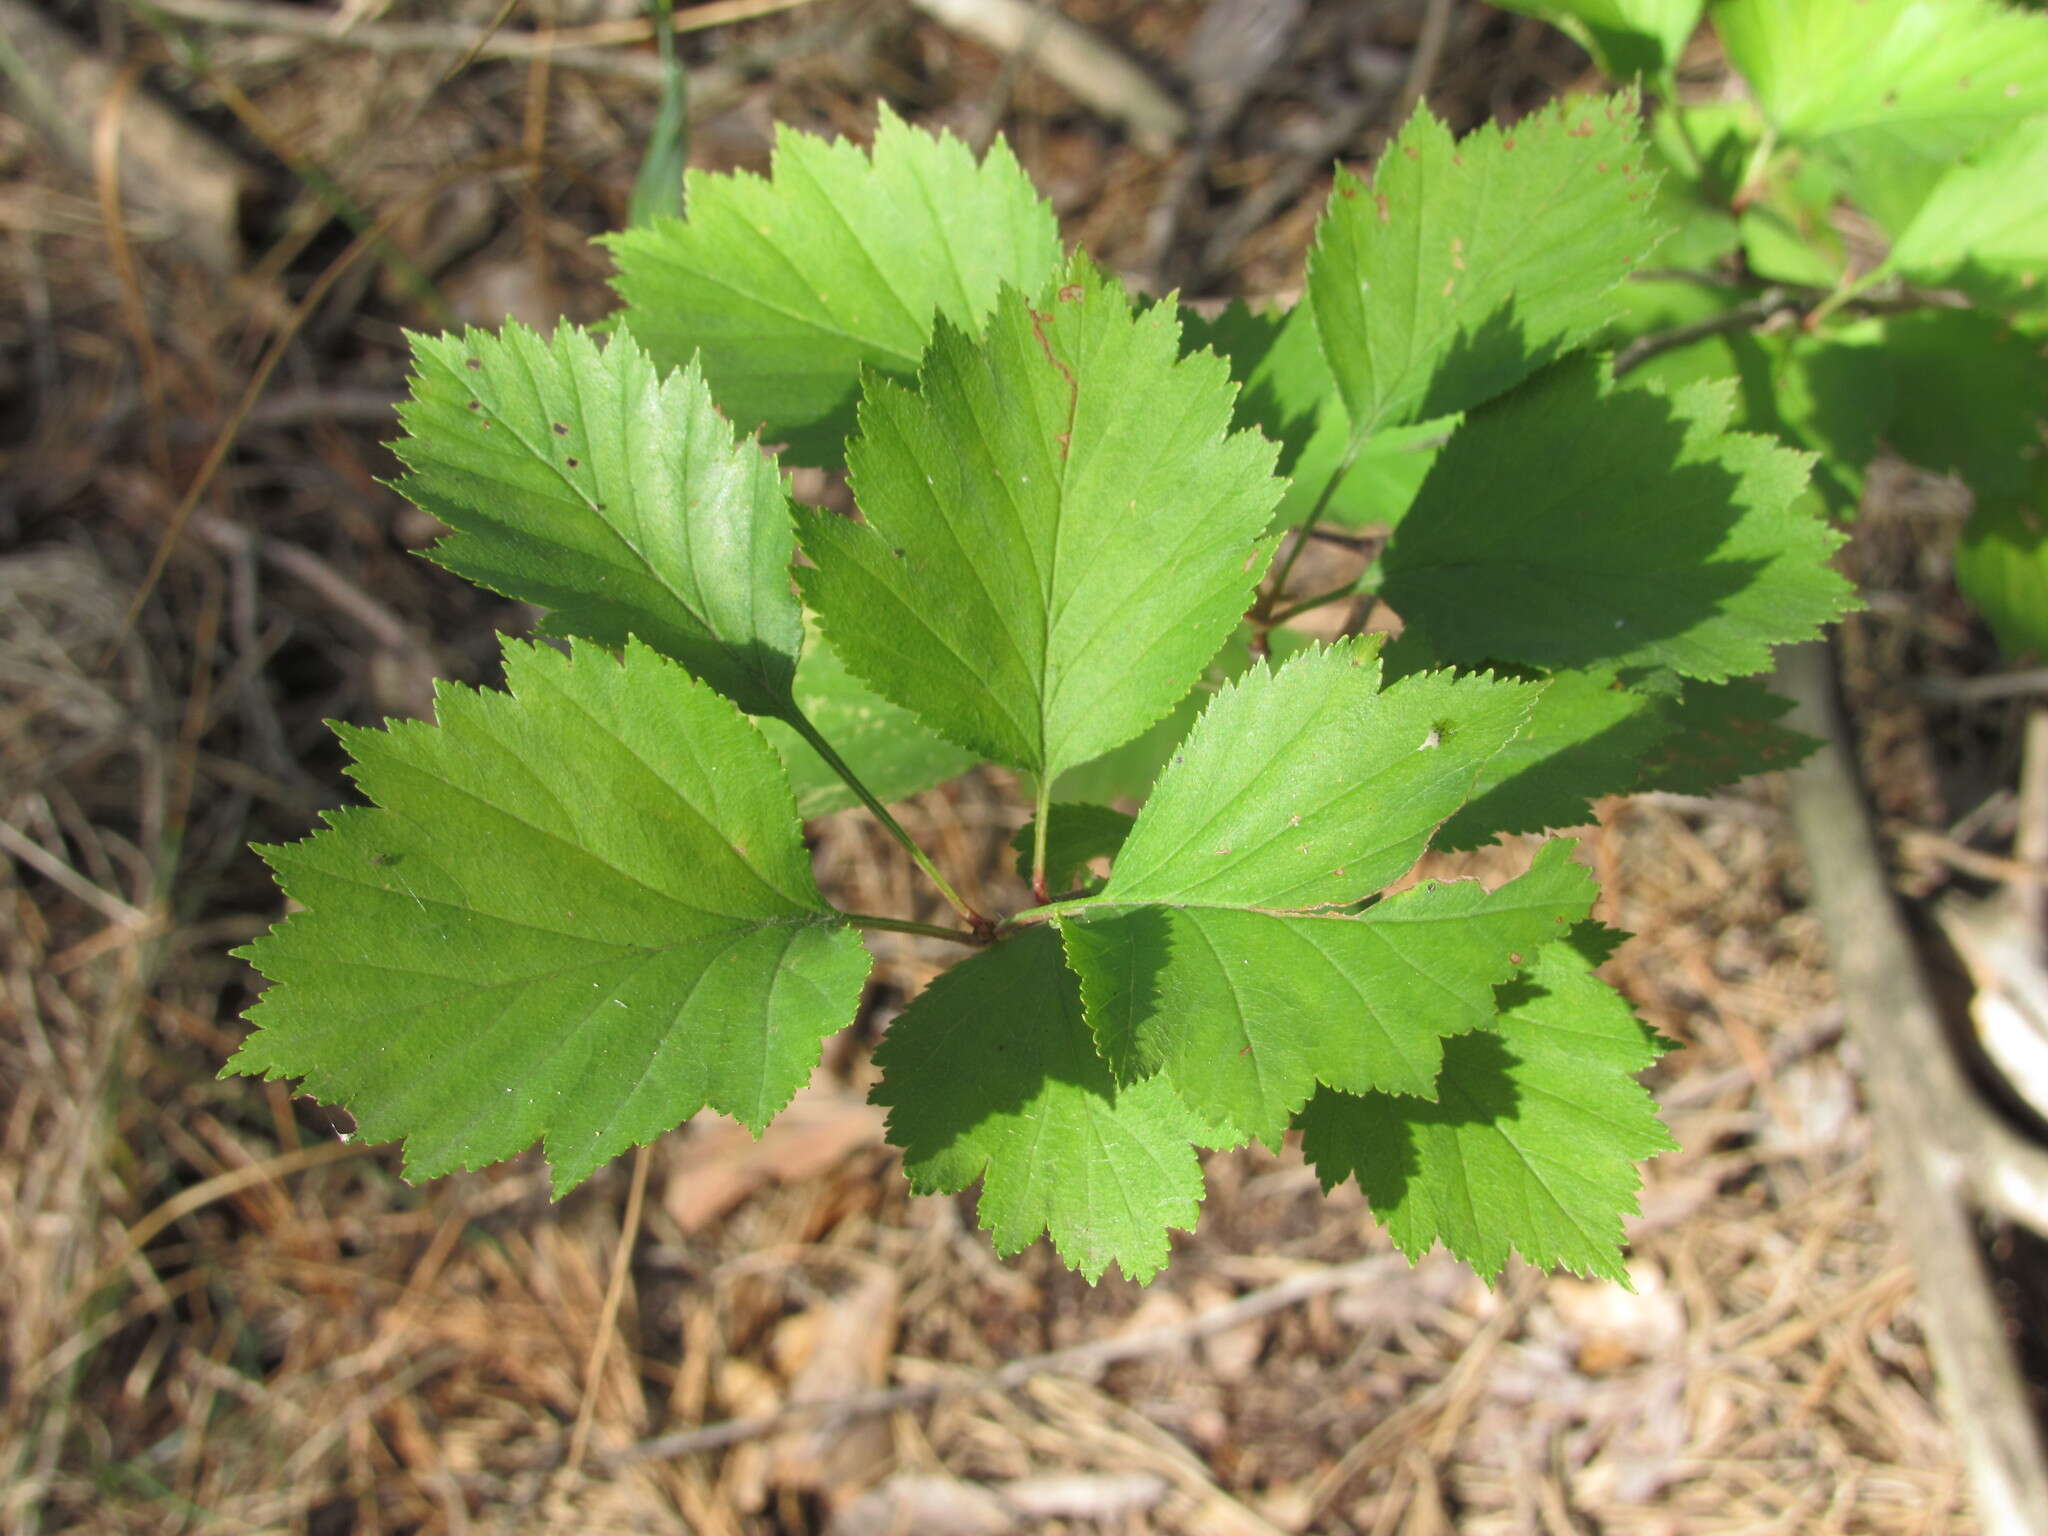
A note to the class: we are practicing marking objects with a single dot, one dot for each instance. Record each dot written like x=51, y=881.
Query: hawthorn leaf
x=1897, y=90
x=1311, y=786
x=1984, y=227
x=990, y=1074
x=1128, y=772
x=1467, y=264
x=1600, y=733
x=2002, y=566
x=1277, y=364
x=1656, y=538
x=1075, y=836
x=578, y=910
x=788, y=287
x=1286, y=392
x=1584, y=739
x=1060, y=530
x=1626, y=38
x=884, y=744
x=1532, y=1141
x=1246, y=1010
x=577, y=478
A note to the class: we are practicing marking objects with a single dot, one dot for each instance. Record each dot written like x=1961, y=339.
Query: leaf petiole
x=800, y=723
x=1038, y=834
x=905, y=925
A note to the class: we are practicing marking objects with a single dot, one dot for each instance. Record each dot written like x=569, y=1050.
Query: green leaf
x=1585, y=739
x=1245, y=1011
x=990, y=1074
x=1972, y=397
x=1627, y=38
x=1468, y=264
x=1984, y=228
x=1310, y=786
x=790, y=286
x=1897, y=90
x=2002, y=566
x=885, y=745
x=1060, y=529
x=578, y=910
x=1286, y=391
x=1612, y=526
x=578, y=479
x=1717, y=733
x=1699, y=154
x=1076, y=835
x=1531, y=1143
x=1598, y=733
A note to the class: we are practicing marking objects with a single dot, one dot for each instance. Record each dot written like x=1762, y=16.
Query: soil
x=222, y=1316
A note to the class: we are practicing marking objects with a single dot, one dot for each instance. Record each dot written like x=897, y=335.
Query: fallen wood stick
x=1947, y=1154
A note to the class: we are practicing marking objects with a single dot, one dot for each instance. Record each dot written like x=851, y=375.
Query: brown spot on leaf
x=560, y=430
x=473, y=364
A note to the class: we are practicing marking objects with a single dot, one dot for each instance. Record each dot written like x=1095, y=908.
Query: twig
x=1766, y=306
x=378, y=621
x=1077, y=1359
x=47, y=864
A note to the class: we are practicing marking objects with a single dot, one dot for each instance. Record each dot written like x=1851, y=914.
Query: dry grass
x=219, y=1316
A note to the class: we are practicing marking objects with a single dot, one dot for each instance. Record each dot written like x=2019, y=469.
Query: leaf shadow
x=1567, y=524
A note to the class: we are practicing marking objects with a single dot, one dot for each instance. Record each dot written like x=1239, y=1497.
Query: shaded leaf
x=1245, y=1011
x=1627, y=38
x=883, y=743
x=1612, y=527
x=1076, y=835
x=1531, y=1143
x=2002, y=567
x=990, y=1074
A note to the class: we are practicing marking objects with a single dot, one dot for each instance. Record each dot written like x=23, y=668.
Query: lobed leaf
x=990, y=1074
x=1897, y=90
x=1467, y=264
x=1612, y=527
x=1984, y=226
x=1311, y=786
x=2002, y=566
x=1060, y=528
x=1531, y=1142
x=1245, y=1011
x=578, y=910
x=789, y=286
x=577, y=478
